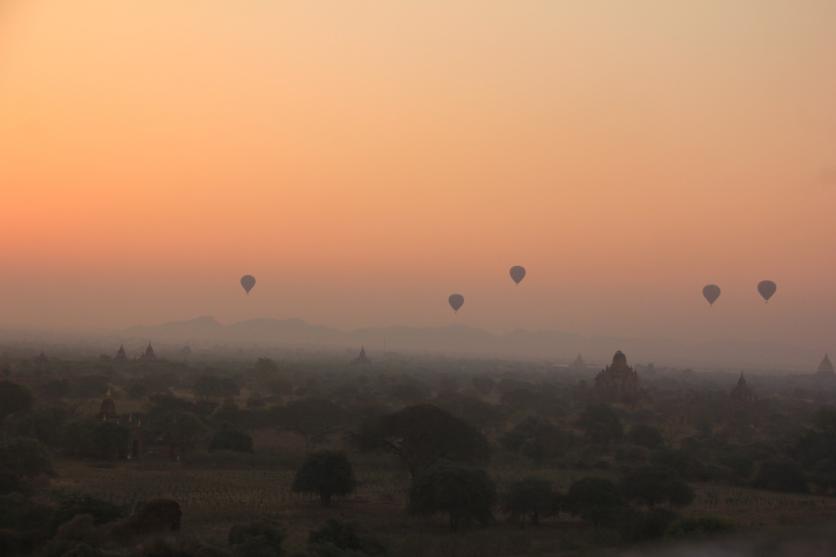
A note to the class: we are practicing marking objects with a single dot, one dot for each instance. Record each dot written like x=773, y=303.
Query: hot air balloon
x=248, y=282
x=767, y=289
x=517, y=273
x=711, y=293
x=456, y=301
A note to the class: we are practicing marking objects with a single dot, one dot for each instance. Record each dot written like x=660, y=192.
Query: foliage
x=14, y=398
x=781, y=474
x=700, y=526
x=466, y=494
x=256, y=539
x=530, y=498
x=96, y=438
x=345, y=537
x=424, y=434
x=537, y=439
x=24, y=457
x=646, y=436
x=653, y=485
x=231, y=440
x=325, y=473
x=601, y=424
x=596, y=500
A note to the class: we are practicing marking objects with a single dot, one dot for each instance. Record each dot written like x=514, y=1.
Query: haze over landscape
x=364, y=161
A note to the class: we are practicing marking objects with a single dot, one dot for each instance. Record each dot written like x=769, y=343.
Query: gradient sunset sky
x=365, y=159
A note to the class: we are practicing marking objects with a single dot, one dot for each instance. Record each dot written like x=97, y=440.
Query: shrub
x=700, y=526
x=258, y=539
x=595, y=500
x=345, y=537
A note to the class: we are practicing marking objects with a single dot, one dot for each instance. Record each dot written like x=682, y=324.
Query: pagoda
x=149, y=354
x=825, y=368
x=121, y=355
x=618, y=381
x=361, y=358
x=742, y=392
x=579, y=364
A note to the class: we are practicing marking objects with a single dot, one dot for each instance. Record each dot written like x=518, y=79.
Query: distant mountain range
x=470, y=341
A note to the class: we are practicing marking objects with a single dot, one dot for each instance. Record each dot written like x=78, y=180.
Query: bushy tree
x=646, y=436
x=325, y=473
x=596, y=500
x=14, y=398
x=24, y=457
x=423, y=435
x=781, y=474
x=601, y=424
x=537, y=439
x=464, y=493
x=531, y=498
x=653, y=486
x=257, y=539
x=231, y=440
x=312, y=418
x=212, y=386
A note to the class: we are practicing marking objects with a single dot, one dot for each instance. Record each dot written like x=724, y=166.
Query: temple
x=121, y=355
x=107, y=413
x=618, y=382
x=825, y=367
x=579, y=364
x=362, y=358
x=742, y=392
x=149, y=354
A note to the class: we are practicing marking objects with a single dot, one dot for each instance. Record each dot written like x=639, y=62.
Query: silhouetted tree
x=464, y=493
x=595, y=500
x=230, y=440
x=13, y=398
x=646, y=436
x=325, y=473
x=424, y=434
x=781, y=474
x=601, y=424
x=653, y=486
x=530, y=498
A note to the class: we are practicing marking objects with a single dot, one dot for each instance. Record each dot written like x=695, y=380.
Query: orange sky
x=364, y=159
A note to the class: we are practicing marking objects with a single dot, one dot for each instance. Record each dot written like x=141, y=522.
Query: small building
x=107, y=413
x=121, y=355
x=579, y=364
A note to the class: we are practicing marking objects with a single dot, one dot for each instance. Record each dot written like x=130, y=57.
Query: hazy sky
x=365, y=159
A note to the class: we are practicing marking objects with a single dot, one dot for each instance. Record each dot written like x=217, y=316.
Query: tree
x=325, y=473
x=595, y=500
x=646, y=436
x=231, y=440
x=530, y=498
x=257, y=539
x=344, y=537
x=211, y=386
x=97, y=439
x=781, y=474
x=424, y=434
x=24, y=457
x=464, y=493
x=537, y=439
x=312, y=418
x=13, y=398
x=601, y=424
x=653, y=485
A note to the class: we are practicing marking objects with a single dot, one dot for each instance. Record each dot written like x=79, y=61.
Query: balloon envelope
x=248, y=282
x=517, y=273
x=456, y=301
x=711, y=293
x=767, y=288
